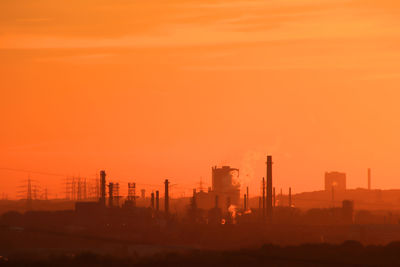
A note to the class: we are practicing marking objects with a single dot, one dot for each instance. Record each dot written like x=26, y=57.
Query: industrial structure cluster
x=221, y=203
x=221, y=214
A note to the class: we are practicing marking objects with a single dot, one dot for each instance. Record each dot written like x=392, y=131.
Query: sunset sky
x=157, y=89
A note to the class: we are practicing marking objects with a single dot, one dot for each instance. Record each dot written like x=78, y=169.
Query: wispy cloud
x=203, y=24
x=93, y=58
x=260, y=26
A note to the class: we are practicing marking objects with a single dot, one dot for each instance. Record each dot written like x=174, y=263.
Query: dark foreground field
x=350, y=253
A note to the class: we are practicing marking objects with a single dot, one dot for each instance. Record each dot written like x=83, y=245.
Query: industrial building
x=225, y=187
x=335, y=181
x=225, y=184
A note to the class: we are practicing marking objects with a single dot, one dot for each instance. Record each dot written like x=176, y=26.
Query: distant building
x=335, y=180
x=225, y=184
x=225, y=187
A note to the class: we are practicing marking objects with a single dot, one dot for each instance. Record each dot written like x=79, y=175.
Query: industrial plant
x=225, y=202
x=220, y=204
x=97, y=215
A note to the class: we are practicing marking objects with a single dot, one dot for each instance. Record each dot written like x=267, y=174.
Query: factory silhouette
x=221, y=217
x=220, y=204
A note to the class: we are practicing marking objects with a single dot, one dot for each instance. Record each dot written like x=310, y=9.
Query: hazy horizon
x=149, y=90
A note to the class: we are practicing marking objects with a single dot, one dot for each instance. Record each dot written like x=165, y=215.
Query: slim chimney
x=269, y=188
x=369, y=179
x=290, y=197
x=244, y=202
x=157, y=200
x=110, y=194
x=152, y=200
x=166, y=200
x=247, y=201
x=263, y=198
x=103, y=188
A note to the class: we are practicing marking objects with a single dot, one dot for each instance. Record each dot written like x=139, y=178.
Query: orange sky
x=149, y=90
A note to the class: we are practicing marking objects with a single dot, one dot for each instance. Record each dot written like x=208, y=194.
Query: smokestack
x=116, y=194
x=152, y=200
x=247, y=194
x=259, y=203
x=290, y=197
x=166, y=201
x=263, y=198
x=269, y=188
x=110, y=194
x=102, y=188
x=245, y=202
x=369, y=179
x=157, y=200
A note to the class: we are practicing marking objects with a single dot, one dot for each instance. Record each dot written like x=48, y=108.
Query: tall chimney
x=369, y=179
x=110, y=194
x=290, y=197
x=247, y=200
x=269, y=188
x=244, y=202
x=152, y=200
x=157, y=200
x=263, y=198
x=102, y=188
x=166, y=200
